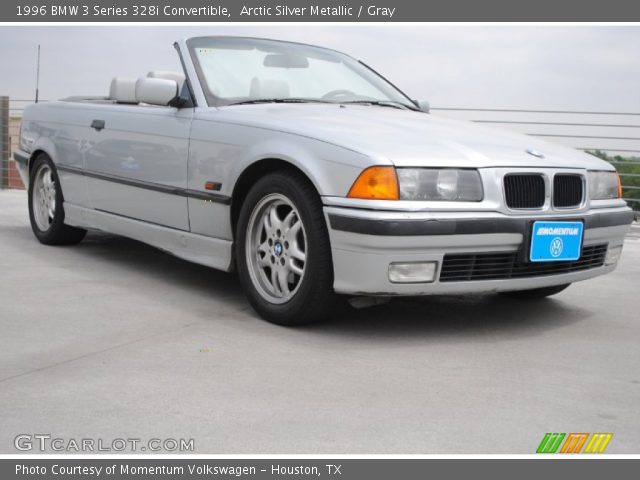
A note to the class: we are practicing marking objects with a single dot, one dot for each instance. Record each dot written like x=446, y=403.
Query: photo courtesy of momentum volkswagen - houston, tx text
x=314, y=176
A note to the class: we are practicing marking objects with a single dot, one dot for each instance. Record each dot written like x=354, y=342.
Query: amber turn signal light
x=619, y=186
x=376, y=183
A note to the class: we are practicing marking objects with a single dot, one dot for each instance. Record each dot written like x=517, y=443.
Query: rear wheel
x=536, y=293
x=45, y=206
x=283, y=251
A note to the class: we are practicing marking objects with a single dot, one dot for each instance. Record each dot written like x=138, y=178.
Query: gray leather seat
x=123, y=90
x=168, y=75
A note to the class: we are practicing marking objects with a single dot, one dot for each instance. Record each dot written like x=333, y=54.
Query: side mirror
x=423, y=105
x=156, y=91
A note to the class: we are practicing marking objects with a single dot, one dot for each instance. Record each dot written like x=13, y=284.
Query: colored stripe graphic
x=598, y=443
x=574, y=442
x=550, y=443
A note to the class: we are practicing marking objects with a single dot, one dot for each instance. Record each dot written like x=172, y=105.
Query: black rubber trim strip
x=156, y=187
x=20, y=158
x=140, y=221
x=404, y=228
x=601, y=220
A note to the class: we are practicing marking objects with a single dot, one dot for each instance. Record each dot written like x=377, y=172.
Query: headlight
x=604, y=185
x=446, y=184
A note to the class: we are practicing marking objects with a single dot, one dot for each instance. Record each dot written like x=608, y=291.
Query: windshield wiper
x=279, y=100
x=382, y=103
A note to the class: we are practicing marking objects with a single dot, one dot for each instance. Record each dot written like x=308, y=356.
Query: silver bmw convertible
x=314, y=177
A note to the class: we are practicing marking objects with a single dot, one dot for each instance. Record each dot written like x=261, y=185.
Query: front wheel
x=536, y=293
x=283, y=252
x=46, y=212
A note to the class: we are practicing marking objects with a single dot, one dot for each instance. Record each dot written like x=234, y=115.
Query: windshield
x=249, y=70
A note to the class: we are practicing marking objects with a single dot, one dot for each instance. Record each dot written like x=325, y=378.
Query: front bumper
x=365, y=242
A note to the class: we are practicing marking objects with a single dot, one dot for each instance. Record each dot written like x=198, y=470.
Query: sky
x=532, y=67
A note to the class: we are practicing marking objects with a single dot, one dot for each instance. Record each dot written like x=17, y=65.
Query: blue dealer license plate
x=556, y=241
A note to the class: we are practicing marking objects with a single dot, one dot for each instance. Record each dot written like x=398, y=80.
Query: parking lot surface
x=114, y=339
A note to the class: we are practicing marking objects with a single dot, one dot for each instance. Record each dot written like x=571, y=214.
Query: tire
x=535, y=293
x=281, y=221
x=45, y=206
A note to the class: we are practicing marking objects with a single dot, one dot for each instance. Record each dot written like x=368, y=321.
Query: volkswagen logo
x=556, y=247
x=535, y=153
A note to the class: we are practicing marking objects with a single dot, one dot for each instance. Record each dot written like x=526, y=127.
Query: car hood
x=408, y=138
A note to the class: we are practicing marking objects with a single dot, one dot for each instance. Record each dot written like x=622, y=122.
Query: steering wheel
x=335, y=94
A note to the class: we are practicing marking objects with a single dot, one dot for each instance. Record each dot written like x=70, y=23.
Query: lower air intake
x=501, y=266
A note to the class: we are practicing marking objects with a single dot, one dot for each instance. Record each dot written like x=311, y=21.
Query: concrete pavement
x=112, y=338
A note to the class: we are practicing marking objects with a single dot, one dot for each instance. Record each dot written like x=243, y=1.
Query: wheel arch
x=254, y=172
x=42, y=145
x=34, y=155
x=32, y=160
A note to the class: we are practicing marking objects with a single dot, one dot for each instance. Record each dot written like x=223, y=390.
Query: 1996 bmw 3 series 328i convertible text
x=313, y=176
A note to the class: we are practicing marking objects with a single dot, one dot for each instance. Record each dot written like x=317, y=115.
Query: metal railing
x=611, y=135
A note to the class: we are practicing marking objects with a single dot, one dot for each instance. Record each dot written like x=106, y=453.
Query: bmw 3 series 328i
x=313, y=176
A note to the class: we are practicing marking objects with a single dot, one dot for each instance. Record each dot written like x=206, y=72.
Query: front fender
x=221, y=152
x=331, y=169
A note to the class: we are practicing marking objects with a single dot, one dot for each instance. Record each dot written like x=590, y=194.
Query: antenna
x=38, y=74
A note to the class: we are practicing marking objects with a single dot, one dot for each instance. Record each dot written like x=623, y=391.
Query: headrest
x=156, y=91
x=123, y=90
x=168, y=75
x=268, y=88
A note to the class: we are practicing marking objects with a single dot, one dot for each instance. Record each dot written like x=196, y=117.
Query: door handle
x=97, y=124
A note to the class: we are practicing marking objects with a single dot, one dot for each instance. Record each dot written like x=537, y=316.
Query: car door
x=136, y=164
